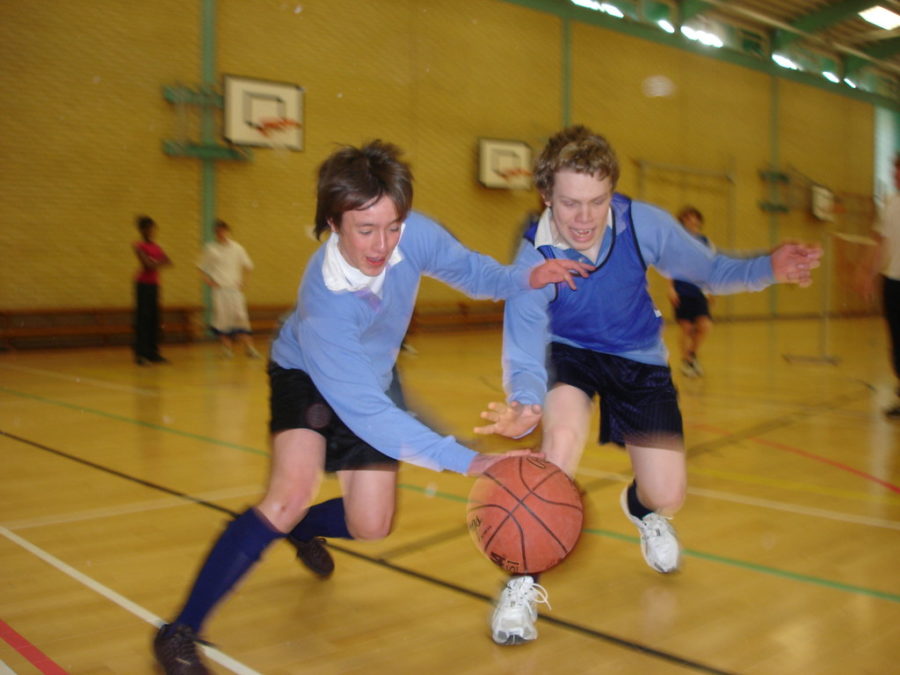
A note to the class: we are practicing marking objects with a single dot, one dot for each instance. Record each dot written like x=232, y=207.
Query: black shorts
x=295, y=403
x=638, y=401
x=691, y=307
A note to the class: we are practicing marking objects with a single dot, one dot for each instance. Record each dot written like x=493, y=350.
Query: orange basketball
x=525, y=514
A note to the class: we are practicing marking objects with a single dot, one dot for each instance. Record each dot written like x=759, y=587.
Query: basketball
x=525, y=514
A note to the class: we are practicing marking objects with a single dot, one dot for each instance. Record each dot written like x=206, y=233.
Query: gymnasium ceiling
x=823, y=38
x=830, y=25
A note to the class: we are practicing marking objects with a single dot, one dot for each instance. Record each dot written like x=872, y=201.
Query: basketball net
x=516, y=178
x=278, y=131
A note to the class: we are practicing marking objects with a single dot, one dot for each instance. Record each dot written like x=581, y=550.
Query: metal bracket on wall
x=200, y=151
x=182, y=97
x=772, y=207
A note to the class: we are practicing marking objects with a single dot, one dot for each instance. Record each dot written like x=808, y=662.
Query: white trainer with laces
x=659, y=543
x=513, y=620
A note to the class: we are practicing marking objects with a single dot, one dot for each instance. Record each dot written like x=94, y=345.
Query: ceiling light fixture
x=881, y=17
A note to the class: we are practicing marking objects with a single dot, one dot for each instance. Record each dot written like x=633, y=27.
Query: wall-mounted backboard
x=263, y=113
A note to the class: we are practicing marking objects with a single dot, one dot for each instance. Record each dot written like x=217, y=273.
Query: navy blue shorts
x=691, y=307
x=295, y=403
x=638, y=401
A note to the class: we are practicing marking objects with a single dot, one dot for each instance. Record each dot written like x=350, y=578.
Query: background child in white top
x=225, y=265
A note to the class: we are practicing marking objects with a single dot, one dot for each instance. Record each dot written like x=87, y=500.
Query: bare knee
x=283, y=513
x=665, y=498
x=371, y=528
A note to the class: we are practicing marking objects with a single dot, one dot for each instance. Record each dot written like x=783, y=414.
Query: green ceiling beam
x=852, y=65
x=688, y=9
x=820, y=19
x=884, y=49
x=656, y=11
x=651, y=32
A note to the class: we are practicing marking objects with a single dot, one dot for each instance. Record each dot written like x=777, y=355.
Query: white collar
x=548, y=234
x=339, y=275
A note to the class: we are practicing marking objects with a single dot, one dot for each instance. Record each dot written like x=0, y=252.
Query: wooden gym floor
x=116, y=479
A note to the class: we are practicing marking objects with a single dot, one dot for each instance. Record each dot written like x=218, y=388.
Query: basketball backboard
x=263, y=113
x=504, y=164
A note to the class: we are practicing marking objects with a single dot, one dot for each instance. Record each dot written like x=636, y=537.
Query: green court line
x=762, y=569
x=131, y=420
x=795, y=576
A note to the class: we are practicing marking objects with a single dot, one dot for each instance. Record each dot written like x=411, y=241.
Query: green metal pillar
x=774, y=163
x=207, y=136
x=566, y=74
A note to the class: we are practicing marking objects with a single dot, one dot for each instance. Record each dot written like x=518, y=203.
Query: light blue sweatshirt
x=645, y=235
x=348, y=341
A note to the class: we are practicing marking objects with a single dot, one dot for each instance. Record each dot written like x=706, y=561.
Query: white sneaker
x=695, y=364
x=659, y=543
x=513, y=620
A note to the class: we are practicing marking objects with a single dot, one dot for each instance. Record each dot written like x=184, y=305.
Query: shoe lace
x=522, y=593
x=184, y=646
x=655, y=526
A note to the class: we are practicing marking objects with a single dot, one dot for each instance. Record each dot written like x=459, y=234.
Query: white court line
x=766, y=503
x=135, y=507
x=5, y=669
x=212, y=653
x=79, y=380
x=800, y=510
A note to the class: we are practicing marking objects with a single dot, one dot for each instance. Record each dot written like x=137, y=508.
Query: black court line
x=422, y=543
x=119, y=474
x=561, y=623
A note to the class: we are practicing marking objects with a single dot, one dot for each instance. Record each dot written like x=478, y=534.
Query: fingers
x=493, y=413
x=524, y=453
x=582, y=268
x=558, y=270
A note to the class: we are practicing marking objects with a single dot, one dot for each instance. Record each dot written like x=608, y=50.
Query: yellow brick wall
x=84, y=118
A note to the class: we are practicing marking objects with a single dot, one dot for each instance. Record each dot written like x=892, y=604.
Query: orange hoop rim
x=267, y=126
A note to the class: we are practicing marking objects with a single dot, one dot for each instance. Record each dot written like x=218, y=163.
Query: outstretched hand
x=513, y=420
x=483, y=462
x=558, y=269
x=793, y=262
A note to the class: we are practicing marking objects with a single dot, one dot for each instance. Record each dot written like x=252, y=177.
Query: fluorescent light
x=612, y=10
x=587, y=4
x=881, y=17
x=666, y=26
x=785, y=62
x=850, y=83
x=604, y=7
x=831, y=77
x=702, y=36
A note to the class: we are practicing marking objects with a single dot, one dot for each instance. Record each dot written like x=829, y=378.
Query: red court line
x=37, y=658
x=813, y=456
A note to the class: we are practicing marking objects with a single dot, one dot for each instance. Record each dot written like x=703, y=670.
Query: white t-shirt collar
x=548, y=234
x=339, y=275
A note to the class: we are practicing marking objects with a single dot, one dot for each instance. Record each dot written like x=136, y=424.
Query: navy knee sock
x=323, y=520
x=637, y=509
x=235, y=552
